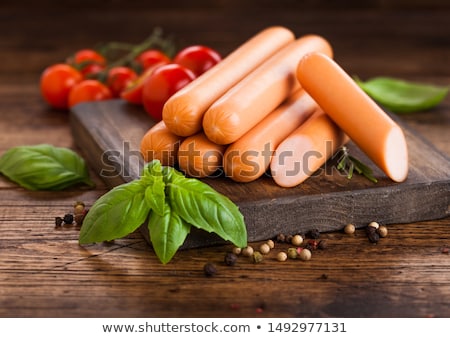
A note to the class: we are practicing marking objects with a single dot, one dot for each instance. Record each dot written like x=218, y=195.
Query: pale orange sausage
x=159, y=143
x=306, y=149
x=199, y=157
x=249, y=157
x=259, y=93
x=183, y=111
x=356, y=113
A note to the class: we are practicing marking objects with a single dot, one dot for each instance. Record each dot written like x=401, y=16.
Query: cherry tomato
x=197, y=58
x=133, y=92
x=164, y=82
x=88, y=61
x=88, y=90
x=119, y=78
x=56, y=83
x=151, y=57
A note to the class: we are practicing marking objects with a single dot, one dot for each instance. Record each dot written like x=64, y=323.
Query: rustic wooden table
x=45, y=273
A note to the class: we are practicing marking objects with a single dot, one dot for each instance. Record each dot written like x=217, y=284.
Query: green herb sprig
x=349, y=164
x=44, y=167
x=171, y=203
x=401, y=96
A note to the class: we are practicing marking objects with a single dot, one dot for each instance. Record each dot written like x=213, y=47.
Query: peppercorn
x=68, y=218
x=382, y=231
x=230, y=259
x=281, y=238
x=323, y=244
x=247, y=251
x=372, y=234
x=313, y=233
x=237, y=251
x=312, y=244
x=78, y=208
x=79, y=218
x=264, y=248
x=58, y=221
x=257, y=257
x=282, y=256
x=305, y=255
x=349, y=229
x=374, y=225
x=270, y=243
x=292, y=253
x=209, y=269
x=297, y=240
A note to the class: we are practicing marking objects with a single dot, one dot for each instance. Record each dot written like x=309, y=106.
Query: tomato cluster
x=88, y=76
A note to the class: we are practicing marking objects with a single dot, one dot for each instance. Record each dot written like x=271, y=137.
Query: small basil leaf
x=44, y=167
x=205, y=208
x=155, y=191
x=167, y=233
x=116, y=214
x=403, y=96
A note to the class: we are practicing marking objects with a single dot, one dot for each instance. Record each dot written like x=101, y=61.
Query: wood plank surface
x=110, y=133
x=45, y=273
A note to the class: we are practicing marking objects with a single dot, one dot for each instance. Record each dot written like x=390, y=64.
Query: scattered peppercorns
x=297, y=240
x=58, y=221
x=209, y=269
x=305, y=255
x=292, y=253
x=257, y=257
x=247, y=251
x=349, y=229
x=237, y=251
x=270, y=243
x=372, y=234
x=68, y=219
x=230, y=259
x=313, y=233
x=282, y=256
x=264, y=248
x=382, y=231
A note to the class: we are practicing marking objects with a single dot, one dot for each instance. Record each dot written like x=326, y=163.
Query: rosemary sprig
x=349, y=164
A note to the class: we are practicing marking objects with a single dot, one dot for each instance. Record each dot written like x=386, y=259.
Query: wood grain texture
x=110, y=132
x=45, y=273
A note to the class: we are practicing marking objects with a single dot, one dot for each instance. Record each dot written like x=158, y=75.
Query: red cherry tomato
x=88, y=90
x=133, y=92
x=197, y=58
x=151, y=57
x=119, y=78
x=88, y=61
x=164, y=82
x=56, y=83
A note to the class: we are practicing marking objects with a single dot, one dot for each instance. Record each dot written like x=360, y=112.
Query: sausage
x=199, y=157
x=159, y=143
x=356, y=113
x=249, y=157
x=306, y=149
x=260, y=92
x=183, y=112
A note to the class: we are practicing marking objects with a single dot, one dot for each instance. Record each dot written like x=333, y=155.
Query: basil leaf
x=116, y=214
x=403, y=96
x=167, y=233
x=44, y=167
x=200, y=205
x=155, y=193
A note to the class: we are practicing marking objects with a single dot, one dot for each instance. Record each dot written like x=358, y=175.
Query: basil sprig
x=172, y=203
x=44, y=167
x=401, y=96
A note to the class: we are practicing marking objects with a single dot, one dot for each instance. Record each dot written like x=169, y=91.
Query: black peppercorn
x=209, y=269
x=372, y=234
x=281, y=238
x=313, y=233
x=230, y=259
x=58, y=221
x=68, y=218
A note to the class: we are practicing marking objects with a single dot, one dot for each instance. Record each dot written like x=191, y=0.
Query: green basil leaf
x=44, y=167
x=116, y=214
x=167, y=233
x=205, y=208
x=155, y=193
x=403, y=96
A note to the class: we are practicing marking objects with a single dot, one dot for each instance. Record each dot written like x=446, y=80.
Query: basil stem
x=44, y=167
x=401, y=96
x=167, y=233
x=116, y=214
x=200, y=205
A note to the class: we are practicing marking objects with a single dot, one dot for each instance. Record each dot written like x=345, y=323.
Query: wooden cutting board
x=109, y=134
